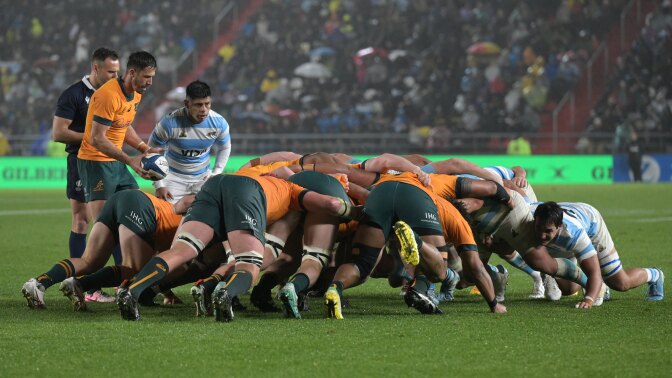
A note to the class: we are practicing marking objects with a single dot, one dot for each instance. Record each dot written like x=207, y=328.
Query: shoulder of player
x=77, y=90
x=217, y=119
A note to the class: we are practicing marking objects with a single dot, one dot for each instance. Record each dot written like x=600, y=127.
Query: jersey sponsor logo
x=135, y=218
x=192, y=153
x=251, y=221
x=100, y=186
x=430, y=216
x=212, y=134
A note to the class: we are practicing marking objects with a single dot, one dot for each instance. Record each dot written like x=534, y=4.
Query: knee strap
x=195, y=243
x=249, y=257
x=275, y=244
x=316, y=254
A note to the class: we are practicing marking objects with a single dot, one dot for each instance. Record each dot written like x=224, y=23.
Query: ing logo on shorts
x=100, y=186
x=251, y=221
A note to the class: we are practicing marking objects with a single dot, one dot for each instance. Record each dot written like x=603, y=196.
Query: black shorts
x=74, y=189
x=230, y=203
x=392, y=201
x=133, y=209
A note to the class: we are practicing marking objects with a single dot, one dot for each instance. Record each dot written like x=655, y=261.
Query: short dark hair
x=461, y=209
x=549, y=212
x=140, y=60
x=198, y=89
x=100, y=54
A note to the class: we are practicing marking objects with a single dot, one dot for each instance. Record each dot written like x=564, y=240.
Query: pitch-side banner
x=655, y=168
x=50, y=173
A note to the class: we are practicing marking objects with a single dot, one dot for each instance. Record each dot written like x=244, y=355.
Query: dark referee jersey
x=73, y=105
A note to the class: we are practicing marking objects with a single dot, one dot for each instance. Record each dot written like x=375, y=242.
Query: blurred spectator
x=5, y=148
x=638, y=98
x=519, y=146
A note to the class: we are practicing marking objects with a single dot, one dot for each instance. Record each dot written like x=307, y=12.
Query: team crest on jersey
x=100, y=186
x=183, y=133
x=87, y=99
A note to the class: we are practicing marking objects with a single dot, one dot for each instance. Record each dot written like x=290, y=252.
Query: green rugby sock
x=239, y=283
x=151, y=273
x=60, y=271
x=211, y=282
x=421, y=284
x=109, y=276
x=301, y=282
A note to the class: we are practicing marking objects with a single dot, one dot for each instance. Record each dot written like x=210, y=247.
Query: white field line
x=654, y=220
x=7, y=213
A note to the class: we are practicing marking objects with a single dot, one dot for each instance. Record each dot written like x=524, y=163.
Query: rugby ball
x=156, y=164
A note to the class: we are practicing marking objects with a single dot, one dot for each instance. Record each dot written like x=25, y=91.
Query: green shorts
x=133, y=209
x=320, y=183
x=101, y=179
x=392, y=201
x=230, y=203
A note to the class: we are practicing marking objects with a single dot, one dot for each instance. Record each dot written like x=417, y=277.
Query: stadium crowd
x=397, y=66
x=45, y=46
x=639, y=96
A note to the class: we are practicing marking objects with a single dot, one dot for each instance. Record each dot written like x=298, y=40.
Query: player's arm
x=132, y=139
x=61, y=133
x=474, y=271
x=456, y=166
x=181, y=206
x=222, y=153
x=272, y=157
x=519, y=176
x=586, y=255
x=387, y=162
x=99, y=141
x=466, y=188
x=591, y=267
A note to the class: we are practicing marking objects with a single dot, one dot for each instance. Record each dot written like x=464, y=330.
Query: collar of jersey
x=121, y=85
x=86, y=82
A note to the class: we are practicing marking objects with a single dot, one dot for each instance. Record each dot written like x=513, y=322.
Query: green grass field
x=379, y=337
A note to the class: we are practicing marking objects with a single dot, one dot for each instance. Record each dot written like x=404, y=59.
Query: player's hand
x=155, y=150
x=137, y=167
x=164, y=194
x=499, y=309
x=520, y=182
x=584, y=303
x=424, y=178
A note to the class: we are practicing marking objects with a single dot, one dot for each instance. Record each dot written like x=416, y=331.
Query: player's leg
x=517, y=261
x=80, y=218
x=318, y=240
x=248, y=250
x=366, y=250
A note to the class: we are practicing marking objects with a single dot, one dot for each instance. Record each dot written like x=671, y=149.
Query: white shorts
x=517, y=228
x=181, y=185
x=530, y=194
x=610, y=262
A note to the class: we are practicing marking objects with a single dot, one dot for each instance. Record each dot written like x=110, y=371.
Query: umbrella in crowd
x=484, y=48
x=312, y=70
x=322, y=51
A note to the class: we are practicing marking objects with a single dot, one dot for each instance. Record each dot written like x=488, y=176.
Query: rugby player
x=190, y=134
x=139, y=222
x=236, y=208
x=575, y=229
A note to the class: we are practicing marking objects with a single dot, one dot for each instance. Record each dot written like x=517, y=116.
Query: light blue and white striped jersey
x=503, y=172
x=188, y=145
x=580, y=223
